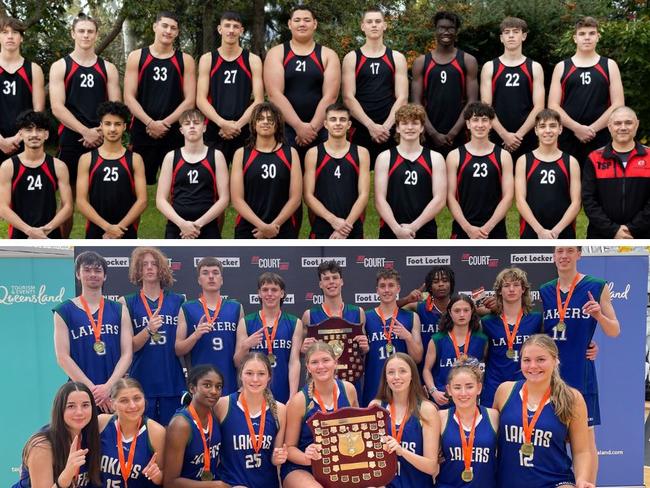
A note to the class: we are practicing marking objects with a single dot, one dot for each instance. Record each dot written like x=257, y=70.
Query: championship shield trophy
x=352, y=450
x=340, y=334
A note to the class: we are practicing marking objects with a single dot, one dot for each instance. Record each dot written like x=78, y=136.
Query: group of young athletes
x=477, y=401
x=301, y=143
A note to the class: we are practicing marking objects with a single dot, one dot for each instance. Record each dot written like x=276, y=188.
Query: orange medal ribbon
x=256, y=441
x=468, y=444
x=529, y=426
x=145, y=302
x=206, y=311
x=97, y=326
x=329, y=314
x=321, y=403
x=400, y=431
x=388, y=336
x=452, y=336
x=511, y=336
x=206, y=450
x=560, y=307
x=127, y=466
x=274, y=330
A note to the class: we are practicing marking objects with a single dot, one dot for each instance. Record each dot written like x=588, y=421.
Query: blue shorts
x=593, y=409
x=288, y=467
x=161, y=409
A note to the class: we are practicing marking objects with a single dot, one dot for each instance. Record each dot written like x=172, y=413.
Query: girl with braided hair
x=323, y=392
x=252, y=428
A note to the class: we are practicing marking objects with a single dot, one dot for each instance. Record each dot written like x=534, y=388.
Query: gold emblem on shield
x=337, y=346
x=351, y=444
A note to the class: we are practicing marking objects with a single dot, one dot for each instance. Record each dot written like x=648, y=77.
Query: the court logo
x=270, y=263
x=472, y=260
x=428, y=260
x=315, y=298
x=375, y=262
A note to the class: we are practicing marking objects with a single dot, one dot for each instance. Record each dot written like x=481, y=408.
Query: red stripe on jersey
x=351, y=133
x=217, y=65
x=11, y=231
x=524, y=68
x=351, y=160
x=60, y=129
x=92, y=171
x=455, y=64
x=533, y=167
x=565, y=79
x=322, y=164
x=423, y=163
x=560, y=163
x=283, y=157
x=99, y=70
x=174, y=60
x=399, y=160
x=1, y=70
x=146, y=63
x=21, y=171
x=362, y=61
x=293, y=221
x=432, y=65
x=122, y=161
x=23, y=74
x=177, y=168
x=251, y=158
x=289, y=57
x=316, y=61
x=496, y=75
x=522, y=227
x=493, y=157
x=600, y=69
x=73, y=70
x=206, y=164
x=386, y=60
x=237, y=220
x=468, y=158
x=49, y=175
x=240, y=62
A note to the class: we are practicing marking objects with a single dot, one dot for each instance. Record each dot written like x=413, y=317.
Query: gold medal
x=207, y=476
x=99, y=347
x=467, y=475
x=156, y=337
x=389, y=348
x=561, y=326
x=271, y=359
x=510, y=353
x=527, y=449
x=462, y=357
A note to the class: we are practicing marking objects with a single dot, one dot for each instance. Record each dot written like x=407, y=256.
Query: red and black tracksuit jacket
x=613, y=195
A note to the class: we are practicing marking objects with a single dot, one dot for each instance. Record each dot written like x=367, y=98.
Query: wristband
x=148, y=123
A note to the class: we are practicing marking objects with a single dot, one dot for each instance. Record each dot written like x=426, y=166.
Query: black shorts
x=360, y=136
x=153, y=151
x=228, y=147
x=70, y=155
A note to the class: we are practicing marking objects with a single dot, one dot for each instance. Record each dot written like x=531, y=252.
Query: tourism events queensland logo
x=374, y=262
x=270, y=263
x=35, y=294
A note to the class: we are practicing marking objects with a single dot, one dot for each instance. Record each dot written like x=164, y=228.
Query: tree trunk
x=209, y=29
x=115, y=30
x=258, y=28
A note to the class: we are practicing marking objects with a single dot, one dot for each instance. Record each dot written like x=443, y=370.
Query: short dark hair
x=209, y=261
x=113, y=108
x=437, y=271
x=30, y=118
x=191, y=114
x=231, y=15
x=479, y=109
x=12, y=23
x=513, y=23
x=269, y=277
x=83, y=17
x=387, y=274
x=548, y=114
x=90, y=258
x=169, y=15
x=443, y=14
x=303, y=7
x=371, y=10
x=586, y=21
x=337, y=107
x=329, y=266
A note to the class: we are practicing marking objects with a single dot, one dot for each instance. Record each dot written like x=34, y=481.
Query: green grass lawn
x=152, y=225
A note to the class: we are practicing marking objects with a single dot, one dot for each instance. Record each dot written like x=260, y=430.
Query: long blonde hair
x=318, y=346
x=561, y=396
x=513, y=274
x=268, y=395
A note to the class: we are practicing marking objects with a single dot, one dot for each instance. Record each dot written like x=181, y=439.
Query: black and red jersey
x=512, y=93
x=231, y=88
x=267, y=183
x=160, y=88
x=478, y=189
x=15, y=96
x=111, y=191
x=85, y=88
x=33, y=195
x=445, y=90
x=409, y=191
x=303, y=80
x=375, y=84
x=337, y=188
x=548, y=194
x=585, y=91
x=615, y=195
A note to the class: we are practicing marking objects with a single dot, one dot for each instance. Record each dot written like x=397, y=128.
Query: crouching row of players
x=241, y=439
